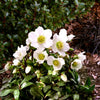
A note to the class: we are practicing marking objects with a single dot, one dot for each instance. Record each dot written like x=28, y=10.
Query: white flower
x=7, y=66
x=16, y=62
x=14, y=71
x=20, y=53
x=40, y=56
x=40, y=39
x=56, y=62
x=76, y=64
x=64, y=77
x=70, y=37
x=81, y=56
x=27, y=69
x=59, y=44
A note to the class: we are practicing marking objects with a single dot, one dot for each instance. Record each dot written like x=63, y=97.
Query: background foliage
x=18, y=17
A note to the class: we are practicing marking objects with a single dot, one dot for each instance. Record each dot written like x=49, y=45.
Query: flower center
x=41, y=56
x=59, y=45
x=74, y=64
x=56, y=62
x=41, y=39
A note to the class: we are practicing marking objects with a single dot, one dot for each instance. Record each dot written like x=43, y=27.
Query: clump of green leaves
x=19, y=17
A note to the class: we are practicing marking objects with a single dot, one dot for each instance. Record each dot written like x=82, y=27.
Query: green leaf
x=6, y=92
x=16, y=94
x=56, y=88
x=91, y=88
x=27, y=78
x=61, y=83
x=88, y=82
x=26, y=84
x=46, y=88
x=35, y=91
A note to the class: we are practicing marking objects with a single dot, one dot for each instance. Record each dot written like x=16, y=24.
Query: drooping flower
x=40, y=39
x=20, y=53
x=64, y=77
x=7, y=66
x=59, y=44
x=81, y=56
x=76, y=64
x=40, y=56
x=56, y=62
x=27, y=69
x=16, y=62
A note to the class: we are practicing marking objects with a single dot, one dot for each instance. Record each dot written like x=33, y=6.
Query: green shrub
x=18, y=17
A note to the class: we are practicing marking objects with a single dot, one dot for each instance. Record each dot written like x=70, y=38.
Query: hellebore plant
x=44, y=69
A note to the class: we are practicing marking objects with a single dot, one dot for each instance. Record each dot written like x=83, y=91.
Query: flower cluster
x=46, y=55
x=40, y=39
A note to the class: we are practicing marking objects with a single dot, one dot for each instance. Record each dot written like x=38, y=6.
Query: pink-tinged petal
x=34, y=44
x=39, y=30
x=63, y=31
x=62, y=53
x=55, y=36
x=48, y=43
x=66, y=47
x=31, y=34
x=47, y=33
x=50, y=60
x=62, y=61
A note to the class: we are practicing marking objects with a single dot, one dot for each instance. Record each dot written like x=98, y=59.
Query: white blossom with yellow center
x=40, y=39
x=56, y=62
x=40, y=56
x=20, y=53
x=59, y=44
x=76, y=64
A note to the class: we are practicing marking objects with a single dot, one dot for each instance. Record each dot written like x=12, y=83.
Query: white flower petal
x=50, y=60
x=39, y=30
x=70, y=37
x=47, y=33
x=16, y=62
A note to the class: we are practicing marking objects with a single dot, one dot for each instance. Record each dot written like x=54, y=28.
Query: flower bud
x=7, y=66
x=27, y=69
x=64, y=77
x=14, y=71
